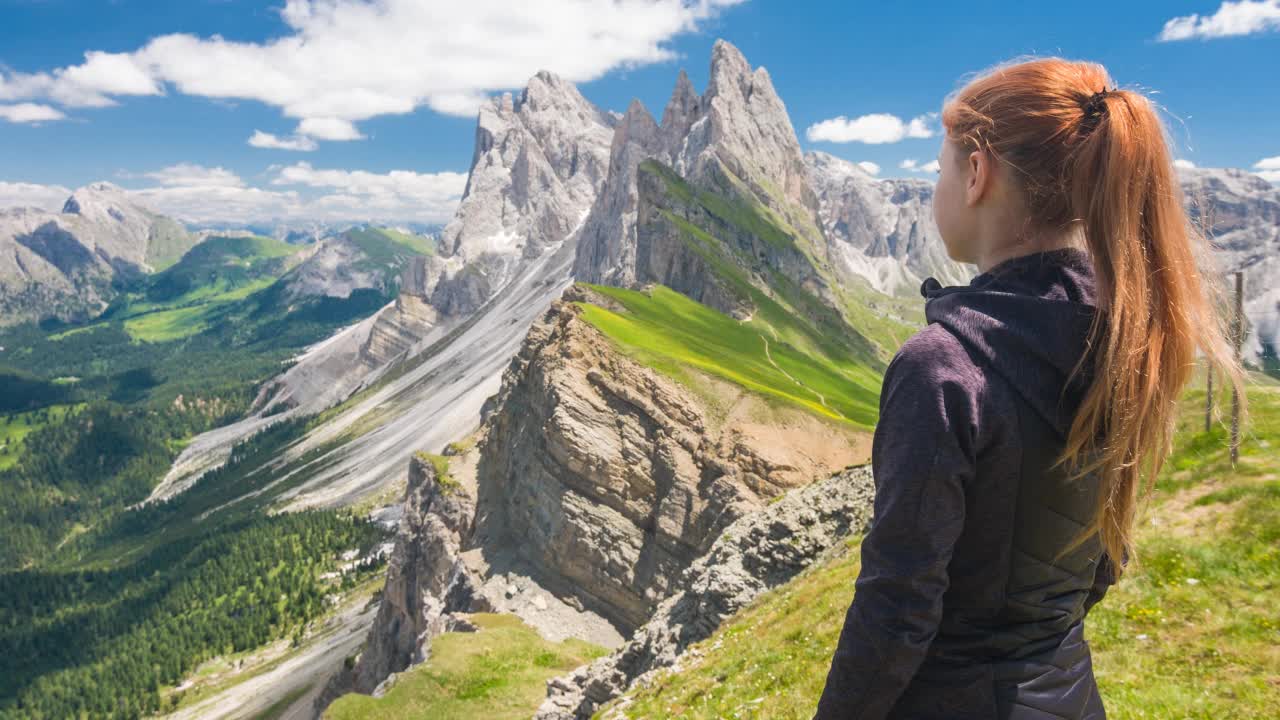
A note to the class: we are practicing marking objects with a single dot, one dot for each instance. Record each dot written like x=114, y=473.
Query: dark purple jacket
x=961, y=609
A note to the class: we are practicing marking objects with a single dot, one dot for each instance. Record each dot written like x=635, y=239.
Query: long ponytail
x=1088, y=155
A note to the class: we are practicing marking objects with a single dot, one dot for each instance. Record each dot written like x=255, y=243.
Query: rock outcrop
x=881, y=230
x=1241, y=213
x=427, y=581
x=539, y=161
x=735, y=139
x=759, y=551
x=598, y=482
x=610, y=479
x=69, y=265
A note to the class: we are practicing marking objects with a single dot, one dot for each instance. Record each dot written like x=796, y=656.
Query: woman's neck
x=992, y=257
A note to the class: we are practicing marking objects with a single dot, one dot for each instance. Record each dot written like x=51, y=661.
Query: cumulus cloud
x=876, y=128
x=870, y=167
x=435, y=194
x=329, y=128
x=20, y=194
x=343, y=61
x=1182, y=164
x=261, y=139
x=29, y=113
x=914, y=165
x=191, y=175
x=1268, y=169
x=1232, y=19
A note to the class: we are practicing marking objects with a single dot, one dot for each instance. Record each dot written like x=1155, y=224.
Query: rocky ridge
x=1241, y=213
x=68, y=265
x=597, y=483
x=538, y=164
x=881, y=230
x=758, y=552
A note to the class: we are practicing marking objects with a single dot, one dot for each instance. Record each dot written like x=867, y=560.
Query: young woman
x=1019, y=429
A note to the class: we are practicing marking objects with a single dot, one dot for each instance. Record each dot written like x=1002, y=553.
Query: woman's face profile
x=951, y=213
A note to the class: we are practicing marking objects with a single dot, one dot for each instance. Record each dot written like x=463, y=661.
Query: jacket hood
x=1028, y=319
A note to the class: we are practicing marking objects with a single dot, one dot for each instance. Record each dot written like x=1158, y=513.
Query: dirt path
x=777, y=367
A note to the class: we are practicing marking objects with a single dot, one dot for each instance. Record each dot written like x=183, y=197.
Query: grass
x=190, y=295
x=16, y=426
x=496, y=673
x=669, y=332
x=440, y=464
x=1192, y=632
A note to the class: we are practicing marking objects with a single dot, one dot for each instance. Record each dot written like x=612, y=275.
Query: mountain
x=69, y=265
x=1241, y=213
x=735, y=305
x=881, y=230
x=538, y=163
x=367, y=258
x=720, y=367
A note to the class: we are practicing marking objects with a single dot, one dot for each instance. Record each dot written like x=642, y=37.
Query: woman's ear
x=979, y=177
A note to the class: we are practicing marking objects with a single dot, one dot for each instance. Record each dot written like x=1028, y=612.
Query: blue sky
x=172, y=92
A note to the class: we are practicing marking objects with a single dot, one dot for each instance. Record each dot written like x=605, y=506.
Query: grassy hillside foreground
x=497, y=673
x=1193, y=633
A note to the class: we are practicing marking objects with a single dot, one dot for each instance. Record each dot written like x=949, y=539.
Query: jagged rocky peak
x=748, y=130
x=738, y=125
x=540, y=159
x=682, y=110
x=538, y=162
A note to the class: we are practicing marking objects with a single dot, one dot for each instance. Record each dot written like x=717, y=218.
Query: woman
x=1021, y=426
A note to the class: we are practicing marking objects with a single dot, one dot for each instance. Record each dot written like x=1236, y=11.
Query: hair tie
x=1096, y=103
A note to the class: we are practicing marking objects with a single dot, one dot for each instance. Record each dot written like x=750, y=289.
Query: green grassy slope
x=496, y=673
x=668, y=331
x=1191, y=633
x=792, y=347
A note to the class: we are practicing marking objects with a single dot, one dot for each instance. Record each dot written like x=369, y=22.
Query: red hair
x=1102, y=163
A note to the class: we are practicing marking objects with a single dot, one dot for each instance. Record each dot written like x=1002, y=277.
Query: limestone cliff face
x=610, y=479
x=881, y=230
x=539, y=161
x=427, y=581
x=757, y=552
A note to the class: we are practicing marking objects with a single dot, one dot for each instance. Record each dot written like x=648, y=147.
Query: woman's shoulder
x=934, y=353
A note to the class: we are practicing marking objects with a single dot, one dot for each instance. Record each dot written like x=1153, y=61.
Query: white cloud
x=1232, y=19
x=343, y=61
x=329, y=129
x=1183, y=164
x=20, y=194
x=213, y=203
x=870, y=167
x=914, y=166
x=875, y=128
x=29, y=113
x=1268, y=169
x=434, y=194
x=191, y=175
x=86, y=85
x=261, y=139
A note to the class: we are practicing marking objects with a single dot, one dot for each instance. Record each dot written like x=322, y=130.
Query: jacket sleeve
x=1104, y=577
x=923, y=453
